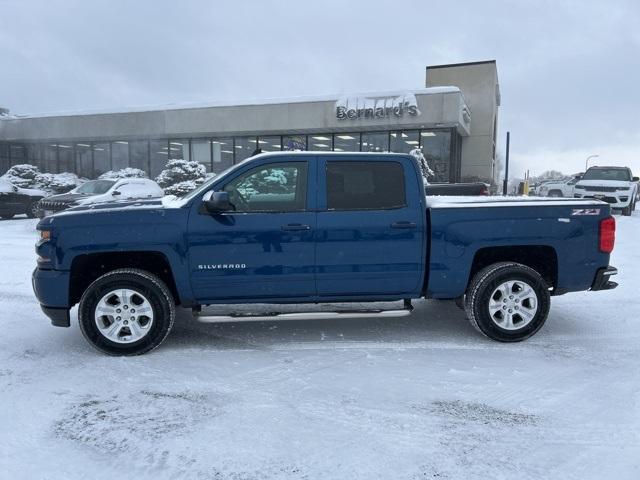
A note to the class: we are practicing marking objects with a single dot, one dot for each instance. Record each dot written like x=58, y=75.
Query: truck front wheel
x=126, y=312
x=507, y=302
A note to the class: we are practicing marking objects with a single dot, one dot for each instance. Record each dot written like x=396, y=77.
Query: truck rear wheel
x=126, y=312
x=507, y=302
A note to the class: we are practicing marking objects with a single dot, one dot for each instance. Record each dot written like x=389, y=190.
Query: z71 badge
x=585, y=211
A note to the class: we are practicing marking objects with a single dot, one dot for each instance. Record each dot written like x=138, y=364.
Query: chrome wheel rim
x=124, y=316
x=513, y=305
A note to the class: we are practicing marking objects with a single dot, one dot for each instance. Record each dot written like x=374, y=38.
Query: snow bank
x=29, y=176
x=128, y=172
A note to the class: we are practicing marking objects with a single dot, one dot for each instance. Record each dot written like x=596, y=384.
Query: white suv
x=614, y=185
x=557, y=188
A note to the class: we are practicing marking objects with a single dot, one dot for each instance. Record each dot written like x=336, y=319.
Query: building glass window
x=436, y=147
x=34, y=155
x=5, y=161
x=294, y=142
x=222, y=154
x=201, y=152
x=18, y=153
x=159, y=155
x=179, y=149
x=119, y=155
x=346, y=142
x=404, y=141
x=66, y=161
x=83, y=160
x=244, y=147
x=139, y=155
x=270, y=144
x=375, y=142
x=101, y=158
x=320, y=142
x=50, y=161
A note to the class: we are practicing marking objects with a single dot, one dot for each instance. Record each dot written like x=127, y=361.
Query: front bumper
x=46, y=207
x=52, y=291
x=602, y=282
x=614, y=199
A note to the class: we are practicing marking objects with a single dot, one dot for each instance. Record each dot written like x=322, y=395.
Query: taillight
x=484, y=190
x=607, y=234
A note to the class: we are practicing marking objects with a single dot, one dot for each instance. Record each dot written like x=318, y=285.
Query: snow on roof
x=235, y=103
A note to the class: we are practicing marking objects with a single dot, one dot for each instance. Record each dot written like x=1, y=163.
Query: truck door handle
x=295, y=227
x=403, y=225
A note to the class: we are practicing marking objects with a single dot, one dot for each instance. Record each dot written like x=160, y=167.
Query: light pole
x=586, y=163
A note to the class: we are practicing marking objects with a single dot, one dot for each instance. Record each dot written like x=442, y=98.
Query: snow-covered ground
x=419, y=397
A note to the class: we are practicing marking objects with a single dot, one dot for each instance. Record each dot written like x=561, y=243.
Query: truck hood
x=32, y=192
x=115, y=205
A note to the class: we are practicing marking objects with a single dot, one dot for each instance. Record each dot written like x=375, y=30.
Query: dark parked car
x=16, y=201
x=57, y=203
x=100, y=191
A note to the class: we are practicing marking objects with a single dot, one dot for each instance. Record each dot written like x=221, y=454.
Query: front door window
x=270, y=188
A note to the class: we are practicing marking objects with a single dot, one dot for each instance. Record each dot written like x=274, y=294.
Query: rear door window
x=365, y=185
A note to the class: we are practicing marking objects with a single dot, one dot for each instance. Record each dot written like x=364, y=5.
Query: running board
x=317, y=315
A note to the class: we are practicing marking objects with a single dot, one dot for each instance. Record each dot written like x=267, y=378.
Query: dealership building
x=453, y=120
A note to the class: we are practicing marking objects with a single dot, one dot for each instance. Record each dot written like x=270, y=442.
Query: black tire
x=142, y=282
x=6, y=216
x=555, y=193
x=483, y=285
x=32, y=209
x=626, y=211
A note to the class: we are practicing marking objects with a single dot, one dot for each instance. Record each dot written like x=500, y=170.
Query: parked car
x=302, y=228
x=615, y=185
x=16, y=201
x=535, y=188
x=457, y=189
x=100, y=191
x=559, y=188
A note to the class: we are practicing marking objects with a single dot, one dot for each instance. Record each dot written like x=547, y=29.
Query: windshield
x=616, y=174
x=95, y=187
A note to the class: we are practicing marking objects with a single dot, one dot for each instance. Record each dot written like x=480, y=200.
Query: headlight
x=45, y=235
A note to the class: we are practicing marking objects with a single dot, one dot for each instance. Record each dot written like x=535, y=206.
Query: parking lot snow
x=423, y=396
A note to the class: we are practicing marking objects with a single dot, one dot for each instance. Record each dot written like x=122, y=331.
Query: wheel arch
x=541, y=258
x=86, y=268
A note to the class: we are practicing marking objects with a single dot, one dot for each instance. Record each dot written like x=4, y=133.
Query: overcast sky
x=569, y=71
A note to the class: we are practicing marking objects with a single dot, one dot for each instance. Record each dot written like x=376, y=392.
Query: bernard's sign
x=393, y=106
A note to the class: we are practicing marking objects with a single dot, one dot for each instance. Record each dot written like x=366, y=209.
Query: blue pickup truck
x=312, y=228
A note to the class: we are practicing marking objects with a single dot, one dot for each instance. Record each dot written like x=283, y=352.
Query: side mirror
x=636, y=179
x=115, y=193
x=216, y=202
x=578, y=177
